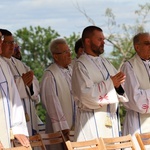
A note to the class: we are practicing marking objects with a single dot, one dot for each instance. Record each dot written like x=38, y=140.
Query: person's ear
x=55, y=57
x=87, y=41
x=136, y=47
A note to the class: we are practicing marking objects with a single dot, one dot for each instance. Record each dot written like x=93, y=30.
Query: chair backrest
x=94, y=144
x=59, y=137
x=143, y=139
x=65, y=134
x=43, y=139
x=51, y=138
x=36, y=141
x=18, y=148
x=119, y=142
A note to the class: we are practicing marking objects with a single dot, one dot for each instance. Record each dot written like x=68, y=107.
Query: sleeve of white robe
x=138, y=98
x=36, y=87
x=88, y=92
x=18, y=117
x=22, y=90
x=51, y=102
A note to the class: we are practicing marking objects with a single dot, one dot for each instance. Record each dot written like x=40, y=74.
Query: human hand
x=1, y=146
x=28, y=78
x=118, y=79
x=22, y=139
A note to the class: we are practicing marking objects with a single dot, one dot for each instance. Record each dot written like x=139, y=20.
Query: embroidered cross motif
x=145, y=106
x=105, y=97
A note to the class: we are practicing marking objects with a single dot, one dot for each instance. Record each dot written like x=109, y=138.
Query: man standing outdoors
x=27, y=85
x=13, y=124
x=96, y=88
x=137, y=87
x=56, y=91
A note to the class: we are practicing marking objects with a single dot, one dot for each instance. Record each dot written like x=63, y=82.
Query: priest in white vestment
x=27, y=84
x=12, y=115
x=97, y=90
x=137, y=87
x=56, y=91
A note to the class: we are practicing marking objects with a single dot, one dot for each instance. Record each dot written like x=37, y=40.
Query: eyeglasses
x=64, y=52
x=2, y=38
x=9, y=42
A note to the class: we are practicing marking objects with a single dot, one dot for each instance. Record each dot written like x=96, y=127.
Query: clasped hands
x=28, y=78
x=118, y=79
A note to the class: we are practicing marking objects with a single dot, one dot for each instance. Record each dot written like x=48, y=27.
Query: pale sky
x=63, y=15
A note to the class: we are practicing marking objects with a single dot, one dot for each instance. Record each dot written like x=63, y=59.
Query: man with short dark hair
x=96, y=88
x=12, y=124
x=27, y=84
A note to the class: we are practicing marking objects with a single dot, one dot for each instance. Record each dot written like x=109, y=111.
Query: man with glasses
x=56, y=91
x=137, y=87
x=12, y=124
x=27, y=84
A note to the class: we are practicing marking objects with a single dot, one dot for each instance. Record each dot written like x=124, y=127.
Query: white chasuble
x=5, y=103
x=4, y=112
x=63, y=92
x=17, y=69
x=11, y=108
x=143, y=77
x=57, y=99
x=96, y=98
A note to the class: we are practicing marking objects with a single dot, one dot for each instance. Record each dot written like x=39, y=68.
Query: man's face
x=63, y=57
x=143, y=47
x=97, y=43
x=8, y=46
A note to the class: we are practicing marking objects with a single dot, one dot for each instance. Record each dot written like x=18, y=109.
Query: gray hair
x=136, y=38
x=54, y=45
